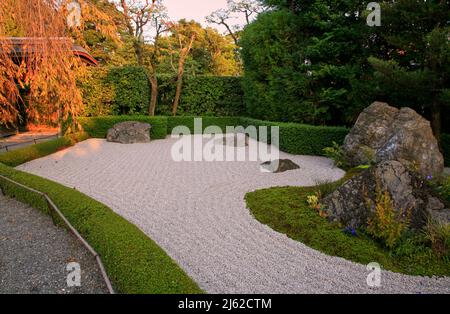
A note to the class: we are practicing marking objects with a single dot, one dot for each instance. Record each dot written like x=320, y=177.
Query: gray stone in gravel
x=279, y=165
x=129, y=132
x=34, y=254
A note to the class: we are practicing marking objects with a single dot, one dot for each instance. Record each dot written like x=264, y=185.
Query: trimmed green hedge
x=126, y=90
x=301, y=139
x=221, y=122
x=294, y=138
x=98, y=126
x=202, y=96
x=134, y=263
x=22, y=155
x=115, y=90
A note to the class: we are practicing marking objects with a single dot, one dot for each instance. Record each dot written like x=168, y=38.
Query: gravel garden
x=305, y=150
x=217, y=221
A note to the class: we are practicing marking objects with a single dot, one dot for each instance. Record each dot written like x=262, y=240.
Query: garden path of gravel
x=34, y=254
x=196, y=212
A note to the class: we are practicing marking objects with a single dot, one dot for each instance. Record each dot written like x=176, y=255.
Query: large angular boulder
x=129, y=132
x=354, y=202
x=384, y=133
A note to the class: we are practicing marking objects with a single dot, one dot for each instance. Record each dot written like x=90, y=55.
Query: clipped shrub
x=131, y=90
x=126, y=91
x=302, y=139
x=115, y=90
x=202, y=96
x=98, y=97
x=98, y=126
x=188, y=121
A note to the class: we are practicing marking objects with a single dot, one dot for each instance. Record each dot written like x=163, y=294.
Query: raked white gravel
x=196, y=212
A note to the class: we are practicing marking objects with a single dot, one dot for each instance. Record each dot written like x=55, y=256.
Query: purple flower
x=429, y=177
x=350, y=231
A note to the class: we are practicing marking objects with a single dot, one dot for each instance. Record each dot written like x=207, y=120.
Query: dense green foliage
x=302, y=139
x=318, y=62
x=202, y=96
x=415, y=71
x=22, y=155
x=299, y=66
x=285, y=209
x=134, y=263
x=115, y=90
x=125, y=90
x=212, y=53
x=99, y=126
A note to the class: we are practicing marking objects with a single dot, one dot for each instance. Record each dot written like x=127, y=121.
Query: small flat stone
x=279, y=165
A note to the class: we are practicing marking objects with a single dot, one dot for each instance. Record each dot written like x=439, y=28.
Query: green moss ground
x=285, y=210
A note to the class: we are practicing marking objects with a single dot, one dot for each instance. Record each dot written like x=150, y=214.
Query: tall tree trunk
x=154, y=96
x=183, y=55
x=179, y=85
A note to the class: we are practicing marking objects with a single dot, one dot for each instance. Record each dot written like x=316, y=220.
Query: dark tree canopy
x=319, y=62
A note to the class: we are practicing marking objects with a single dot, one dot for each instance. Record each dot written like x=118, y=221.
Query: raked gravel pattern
x=196, y=212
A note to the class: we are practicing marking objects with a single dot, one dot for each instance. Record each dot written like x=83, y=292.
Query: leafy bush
x=300, y=67
x=99, y=126
x=134, y=263
x=336, y=153
x=22, y=155
x=387, y=224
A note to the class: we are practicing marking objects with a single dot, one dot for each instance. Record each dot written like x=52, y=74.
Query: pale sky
x=197, y=10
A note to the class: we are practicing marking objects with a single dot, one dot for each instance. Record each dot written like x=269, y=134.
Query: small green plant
x=444, y=189
x=439, y=236
x=336, y=153
x=387, y=224
x=313, y=201
x=410, y=244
